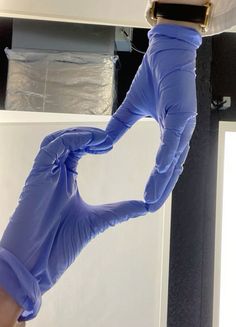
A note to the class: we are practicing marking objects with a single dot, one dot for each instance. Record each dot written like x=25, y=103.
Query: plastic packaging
x=64, y=82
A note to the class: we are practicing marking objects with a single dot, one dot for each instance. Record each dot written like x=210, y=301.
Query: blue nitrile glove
x=163, y=88
x=52, y=223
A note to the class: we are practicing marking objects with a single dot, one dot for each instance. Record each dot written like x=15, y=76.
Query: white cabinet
x=105, y=12
x=121, y=277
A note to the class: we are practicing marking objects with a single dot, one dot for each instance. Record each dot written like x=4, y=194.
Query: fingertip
x=136, y=208
x=151, y=190
x=104, y=146
x=153, y=207
x=149, y=198
x=100, y=137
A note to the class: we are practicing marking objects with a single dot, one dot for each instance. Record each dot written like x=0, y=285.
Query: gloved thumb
x=109, y=215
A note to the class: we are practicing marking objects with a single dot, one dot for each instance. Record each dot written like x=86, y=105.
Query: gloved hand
x=52, y=223
x=164, y=89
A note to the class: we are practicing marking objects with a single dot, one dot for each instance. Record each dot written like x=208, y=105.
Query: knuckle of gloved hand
x=47, y=139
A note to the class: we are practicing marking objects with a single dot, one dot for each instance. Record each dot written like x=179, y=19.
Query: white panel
x=225, y=242
x=107, y=12
x=121, y=277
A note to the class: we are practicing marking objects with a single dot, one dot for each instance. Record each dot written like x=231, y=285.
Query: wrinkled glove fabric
x=52, y=223
x=163, y=88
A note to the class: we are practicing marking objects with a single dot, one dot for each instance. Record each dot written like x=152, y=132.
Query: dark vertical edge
x=5, y=41
x=189, y=279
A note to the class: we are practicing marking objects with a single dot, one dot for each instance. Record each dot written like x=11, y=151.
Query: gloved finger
x=71, y=161
x=178, y=127
x=109, y=215
x=187, y=134
x=138, y=103
x=100, y=139
x=103, y=147
x=118, y=125
x=99, y=151
x=158, y=183
x=122, y=121
x=172, y=182
x=65, y=143
x=51, y=137
x=73, y=158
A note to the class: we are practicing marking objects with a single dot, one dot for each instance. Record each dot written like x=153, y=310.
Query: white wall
x=121, y=277
x=225, y=241
x=106, y=12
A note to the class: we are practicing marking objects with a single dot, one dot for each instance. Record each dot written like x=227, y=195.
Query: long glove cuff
x=18, y=282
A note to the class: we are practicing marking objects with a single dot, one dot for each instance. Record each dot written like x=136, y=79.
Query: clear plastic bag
x=64, y=82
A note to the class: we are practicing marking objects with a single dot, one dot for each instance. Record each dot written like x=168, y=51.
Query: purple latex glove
x=163, y=88
x=52, y=223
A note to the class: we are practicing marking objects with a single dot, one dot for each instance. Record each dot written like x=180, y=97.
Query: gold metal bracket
x=204, y=26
